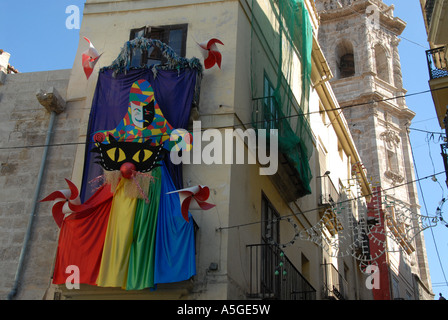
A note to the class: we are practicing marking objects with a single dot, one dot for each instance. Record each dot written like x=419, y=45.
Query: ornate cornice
x=395, y=177
x=390, y=137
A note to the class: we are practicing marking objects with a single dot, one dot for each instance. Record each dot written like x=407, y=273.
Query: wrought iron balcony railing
x=273, y=276
x=437, y=63
x=295, y=140
x=335, y=286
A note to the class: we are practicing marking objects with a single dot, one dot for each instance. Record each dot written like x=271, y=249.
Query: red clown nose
x=127, y=170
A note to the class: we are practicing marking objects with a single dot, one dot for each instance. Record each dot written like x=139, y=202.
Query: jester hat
x=155, y=127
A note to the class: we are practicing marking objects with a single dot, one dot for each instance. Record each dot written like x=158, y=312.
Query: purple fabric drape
x=174, y=92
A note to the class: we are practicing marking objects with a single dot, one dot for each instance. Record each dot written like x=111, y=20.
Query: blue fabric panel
x=175, y=246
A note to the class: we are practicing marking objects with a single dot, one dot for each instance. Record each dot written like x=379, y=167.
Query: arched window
x=345, y=60
x=382, y=64
x=347, y=65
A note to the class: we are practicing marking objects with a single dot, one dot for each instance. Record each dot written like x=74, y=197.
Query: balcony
x=165, y=291
x=437, y=63
x=438, y=74
x=294, y=174
x=335, y=286
x=273, y=276
x=328, y=193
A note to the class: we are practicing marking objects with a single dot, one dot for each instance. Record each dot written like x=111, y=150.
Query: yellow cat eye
x=116, y=154
x=146, y=155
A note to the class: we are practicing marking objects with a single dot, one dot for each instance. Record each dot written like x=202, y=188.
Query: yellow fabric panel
x=115, y=259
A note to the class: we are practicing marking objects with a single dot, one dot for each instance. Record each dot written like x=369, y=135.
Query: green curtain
x=282, y=37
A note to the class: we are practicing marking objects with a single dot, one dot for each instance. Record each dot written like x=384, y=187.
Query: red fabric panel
x=375, y=207
x=82, y=237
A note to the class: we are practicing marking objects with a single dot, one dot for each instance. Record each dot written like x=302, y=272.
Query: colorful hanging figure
x=90, y=58
x=131, y=218
x=135, y=146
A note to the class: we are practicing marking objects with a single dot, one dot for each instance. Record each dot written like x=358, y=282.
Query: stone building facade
x=243, y=198
x=360, y=42
x=28, y=235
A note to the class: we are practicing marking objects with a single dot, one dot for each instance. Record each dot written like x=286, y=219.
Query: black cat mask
x=144, y=156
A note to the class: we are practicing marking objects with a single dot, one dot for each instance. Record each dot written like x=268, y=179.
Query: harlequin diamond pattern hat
x=141, y=93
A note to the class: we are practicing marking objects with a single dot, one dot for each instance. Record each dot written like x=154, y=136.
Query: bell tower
x=360, y=42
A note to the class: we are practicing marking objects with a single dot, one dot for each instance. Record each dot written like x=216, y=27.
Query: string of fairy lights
x=332, y=218
x=235, y=126
x=390, y=219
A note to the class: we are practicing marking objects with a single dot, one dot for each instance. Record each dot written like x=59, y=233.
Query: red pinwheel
x=89, y=59
x=193, y=198
x=211, y=54
x=65, y=202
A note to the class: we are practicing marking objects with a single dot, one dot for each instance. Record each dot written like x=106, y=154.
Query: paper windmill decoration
x=89, y=59
x=65, y=202
x=211, y=54
x=193, y=198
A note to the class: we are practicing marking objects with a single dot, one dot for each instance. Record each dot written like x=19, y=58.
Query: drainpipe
x=52, y=101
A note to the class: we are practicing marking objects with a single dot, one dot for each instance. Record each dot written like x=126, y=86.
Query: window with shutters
x=174, y=36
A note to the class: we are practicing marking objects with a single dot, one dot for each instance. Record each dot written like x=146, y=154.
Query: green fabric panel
x=275, y=48
x=141, y=260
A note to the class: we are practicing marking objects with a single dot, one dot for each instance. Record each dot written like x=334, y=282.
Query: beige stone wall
x=23, y=129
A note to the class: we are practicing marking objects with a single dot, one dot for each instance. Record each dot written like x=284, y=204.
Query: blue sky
x=35, y=34
x=426, y=151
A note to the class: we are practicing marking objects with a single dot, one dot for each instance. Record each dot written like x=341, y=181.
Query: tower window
x=347, y=65
x=392, y=161
x=382, y=64
x=345, y=59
